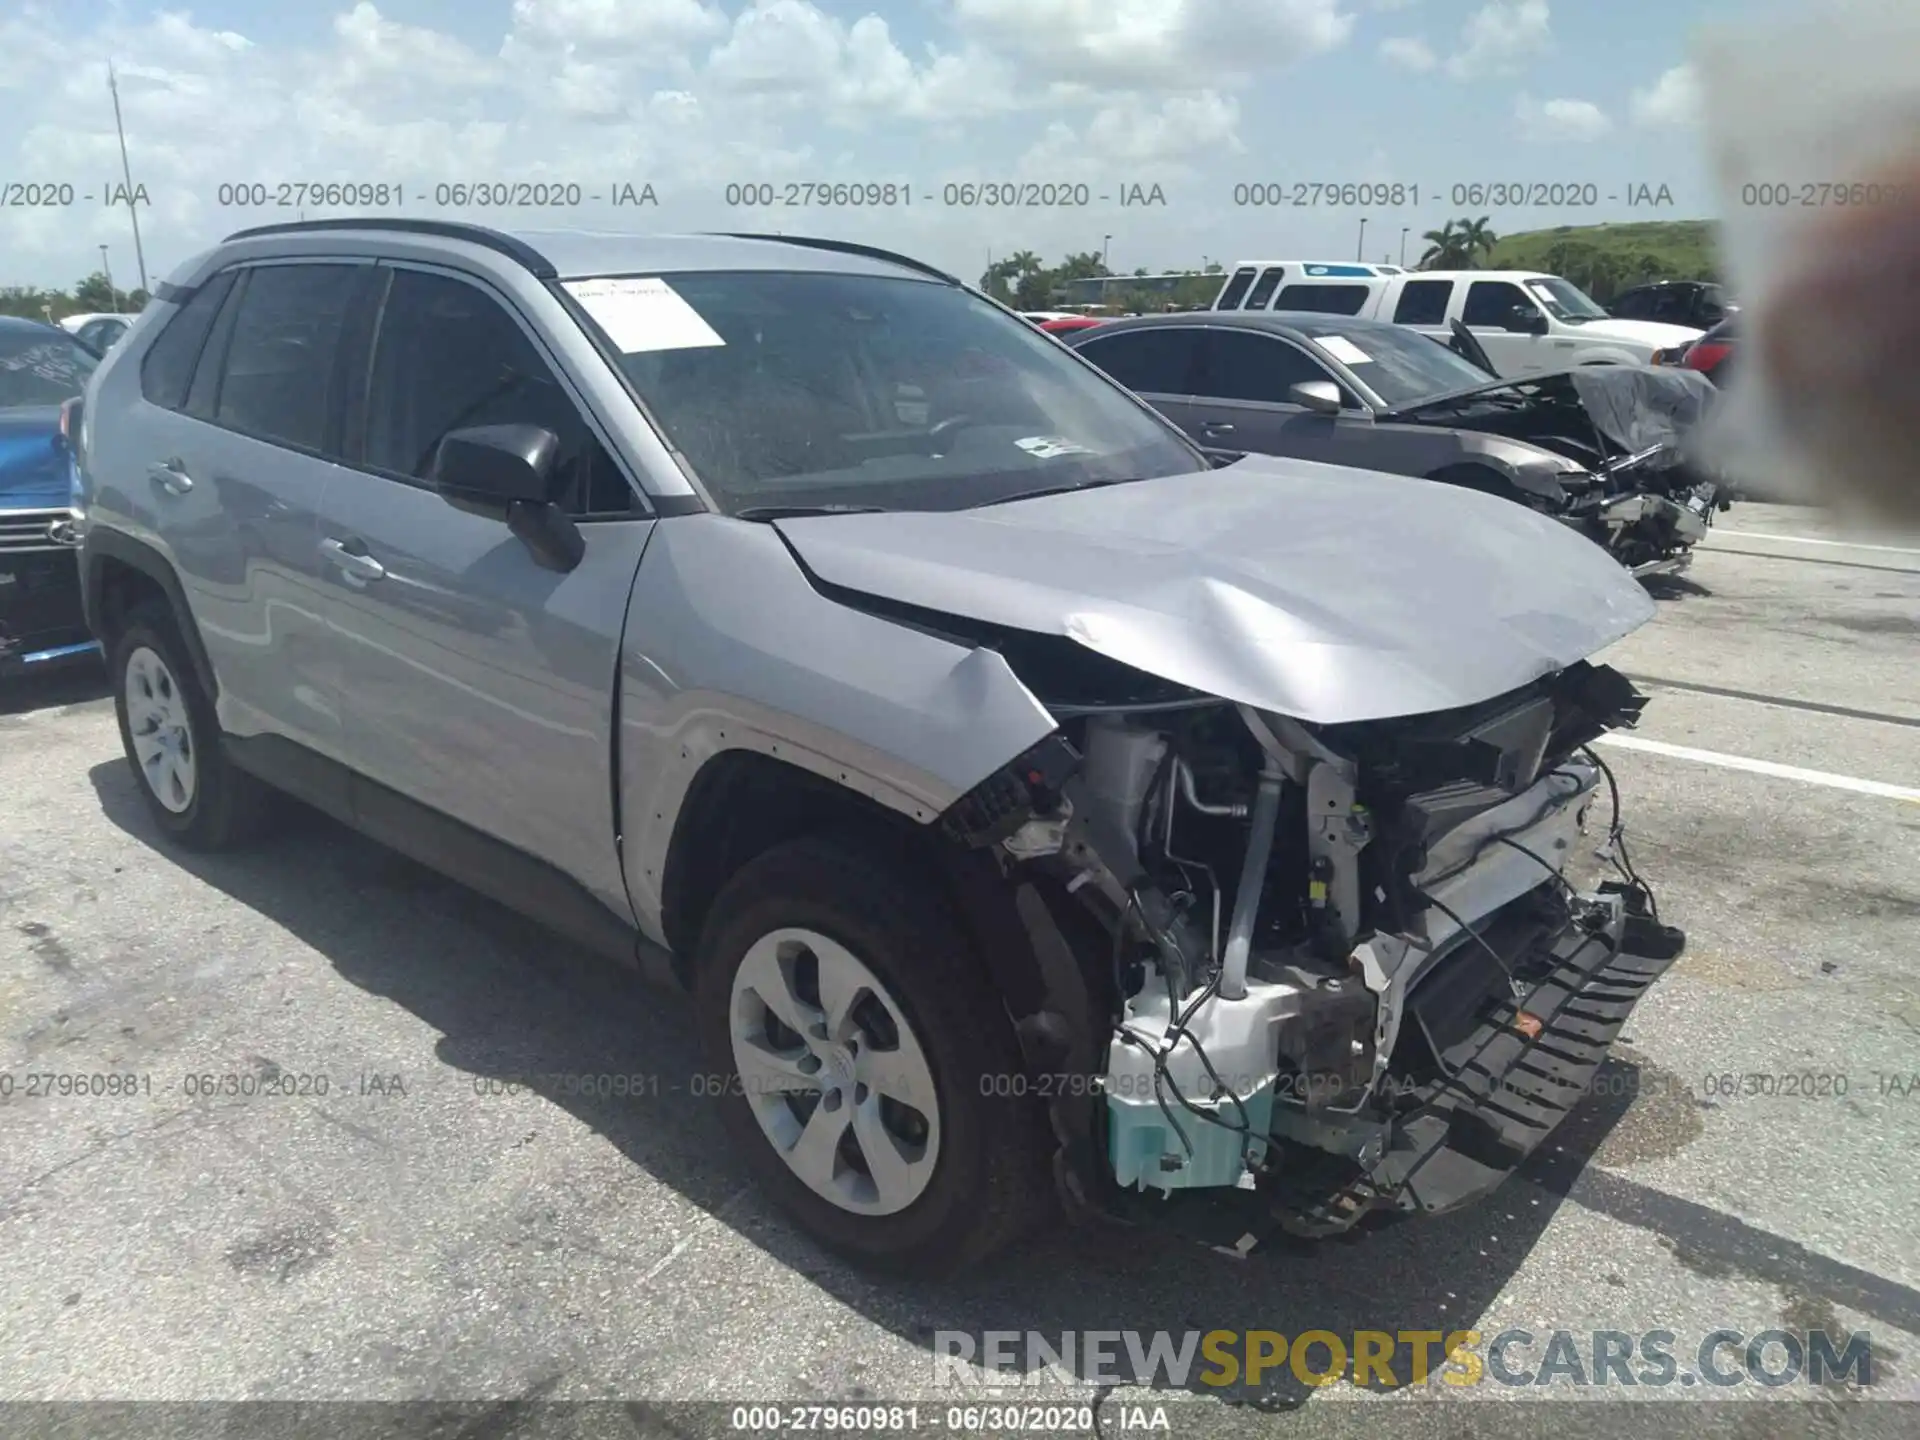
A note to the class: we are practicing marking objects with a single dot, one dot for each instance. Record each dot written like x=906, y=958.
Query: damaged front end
x=1316, y=971
x=1638, y=485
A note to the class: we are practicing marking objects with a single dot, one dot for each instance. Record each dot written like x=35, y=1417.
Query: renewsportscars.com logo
x=1654, y=1359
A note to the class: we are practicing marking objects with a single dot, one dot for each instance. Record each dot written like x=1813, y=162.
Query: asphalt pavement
x=321, y=1185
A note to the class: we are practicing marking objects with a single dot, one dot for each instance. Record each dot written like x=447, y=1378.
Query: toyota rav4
x=1040, y=814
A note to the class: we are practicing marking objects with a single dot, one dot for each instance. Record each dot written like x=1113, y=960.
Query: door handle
x=171, y=476
x=1217, y=427
x=351, y=558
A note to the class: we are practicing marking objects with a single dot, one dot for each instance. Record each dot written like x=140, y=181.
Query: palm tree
x=995, y=281
x=1445, y=249
x=1479, y=240
x=1460, y=245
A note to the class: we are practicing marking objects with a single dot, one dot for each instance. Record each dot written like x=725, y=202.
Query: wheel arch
x=117, y=573
x=743, y=803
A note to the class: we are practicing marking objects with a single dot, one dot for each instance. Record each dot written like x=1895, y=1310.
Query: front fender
x=1528, y=468
x=729, y=646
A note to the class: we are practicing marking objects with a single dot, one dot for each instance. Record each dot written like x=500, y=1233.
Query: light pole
x=133, y=211
x=113, y=295
x=1105, y=241
x=1360, y=246
x=1404, y=229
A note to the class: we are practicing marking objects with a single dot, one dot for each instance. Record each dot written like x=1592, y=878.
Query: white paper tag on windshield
x=1343, y=350
x=641, y=315
x=1047, y=447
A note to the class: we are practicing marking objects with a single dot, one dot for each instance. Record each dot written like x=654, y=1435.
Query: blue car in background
x=43, y=374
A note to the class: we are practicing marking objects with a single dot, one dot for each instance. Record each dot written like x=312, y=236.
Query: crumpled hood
x=1316, y=591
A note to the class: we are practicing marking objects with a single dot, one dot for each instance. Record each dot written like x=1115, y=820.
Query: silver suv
x=1041, y=810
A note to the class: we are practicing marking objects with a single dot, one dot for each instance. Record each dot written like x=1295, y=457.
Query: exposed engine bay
x=1641, y=488
x=1336, y=969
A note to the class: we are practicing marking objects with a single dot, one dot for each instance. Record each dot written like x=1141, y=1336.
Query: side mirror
x=495, y=465
x=504, y=472
x=1526, y=320
x=1320, y=396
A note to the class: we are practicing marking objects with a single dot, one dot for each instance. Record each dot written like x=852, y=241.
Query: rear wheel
x=172, y=738
x=863, y=1062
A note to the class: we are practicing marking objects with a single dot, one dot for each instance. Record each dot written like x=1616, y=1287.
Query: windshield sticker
x=643, y=315
x=1344, y=350
x=1048, y=447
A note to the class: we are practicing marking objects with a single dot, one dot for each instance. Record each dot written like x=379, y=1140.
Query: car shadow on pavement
x=511, y=1000
x=71, y=684
x=1674, y=587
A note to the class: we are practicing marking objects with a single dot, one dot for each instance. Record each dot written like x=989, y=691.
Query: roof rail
x=498, y=241
x=847, y=247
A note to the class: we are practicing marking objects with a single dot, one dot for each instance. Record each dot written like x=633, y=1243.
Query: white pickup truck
x=1527, y=322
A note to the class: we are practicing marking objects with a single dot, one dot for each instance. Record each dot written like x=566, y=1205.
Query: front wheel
x=863, y=1062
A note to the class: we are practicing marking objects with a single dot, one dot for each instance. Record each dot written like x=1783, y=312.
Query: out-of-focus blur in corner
x=1821, y=106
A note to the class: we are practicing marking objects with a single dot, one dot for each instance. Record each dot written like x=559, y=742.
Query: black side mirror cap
x=495, y=465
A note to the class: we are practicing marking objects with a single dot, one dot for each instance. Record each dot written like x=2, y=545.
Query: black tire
x=228, y=806
x=990, y=1180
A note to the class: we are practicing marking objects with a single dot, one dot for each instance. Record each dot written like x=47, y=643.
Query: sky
x=1194, y=110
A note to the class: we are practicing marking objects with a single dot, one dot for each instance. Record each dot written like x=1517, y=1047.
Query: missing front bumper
x=1506, y=1078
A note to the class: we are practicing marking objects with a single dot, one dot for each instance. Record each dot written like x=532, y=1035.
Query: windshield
x=41, y=367
x=815, y=389
x=1565, y=301
x=1400, y=365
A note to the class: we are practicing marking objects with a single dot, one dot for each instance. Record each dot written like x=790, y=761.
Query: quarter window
x=1269, y=282
x=1236, y=290
x=166, y=370
x=1153, y=362
x=448, y=356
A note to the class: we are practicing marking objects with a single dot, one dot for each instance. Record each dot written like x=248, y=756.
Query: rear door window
x=1423, y=302
x=1325, y=299
x=277, y=380
x=1152, y=362
x=1245, y=365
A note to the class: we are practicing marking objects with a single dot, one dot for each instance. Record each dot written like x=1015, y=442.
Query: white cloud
x=1672, y=100
x=1122, y=43
x=1128, y=140
x=1408, y=53
x=1557, y=120
x=377, y=50
x=627, y=25
x=1499, y=38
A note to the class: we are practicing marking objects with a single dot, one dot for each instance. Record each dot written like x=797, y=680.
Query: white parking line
x=1810, y=540
x=1763, y=767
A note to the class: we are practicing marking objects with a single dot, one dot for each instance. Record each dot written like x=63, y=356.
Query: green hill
x=1605, y=259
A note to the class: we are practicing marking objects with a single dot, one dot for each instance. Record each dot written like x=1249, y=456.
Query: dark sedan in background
x=43, y=373
x=1600, y=448
x=1698, y=303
